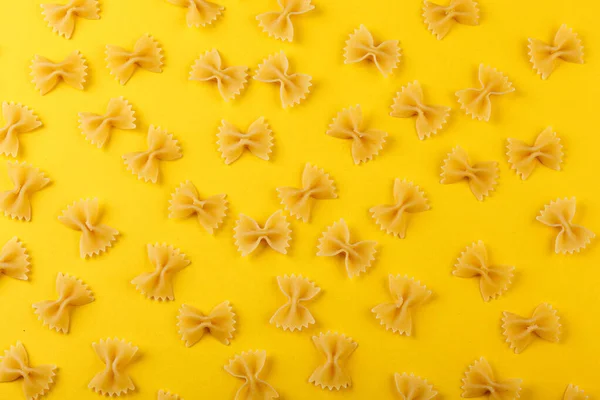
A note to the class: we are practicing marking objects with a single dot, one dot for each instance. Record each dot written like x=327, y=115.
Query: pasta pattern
x=161, y=147
x=409, y=103
x=230, y=80
x=97, y=128
x=411, y=387
x=193, y=324
x=477, y=101
x=544, y=323
x=85, y=216
x=278, y=24
x=294, y=315
x=480, y=381
x=146, y=54
x=166, y=395
x=167, y=261
x=335, y=241
x=46, y=74
x=361, y=46
x=57, y=313
x=15, y=365
x=61, y=17
x=393, y=218
x=482, y=176
x=546, y=150
x=474, y=263
x=14, y=260
x=185, y=202
x=199, y=12
x=336, y=348
x=565, y=46
x=574, y=393
x=233, y=142
x=316, y=185
x=407, y=295
x=248, y=366
x=293, y=87
x=17, y=119
x=559, y=214
x=440, y=19
x=276, y=233
x=16, y=203
x=116, y=355
x=349, y=125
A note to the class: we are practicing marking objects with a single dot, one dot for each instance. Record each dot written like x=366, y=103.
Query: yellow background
x=451, y=331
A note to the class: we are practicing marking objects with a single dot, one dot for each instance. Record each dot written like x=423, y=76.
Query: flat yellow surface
x=450, y=332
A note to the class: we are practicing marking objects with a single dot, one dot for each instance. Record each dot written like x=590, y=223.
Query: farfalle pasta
x=85, y=216
x=294, y=315
x=411, y=387
x=336, y=348
x=46, y=74
x=193, y=323
x=186, y=202
x=440, y=19
x=477, y=101
x=278, y=24
x=233, y=142
x=546, y=150
x=248, y=366
x=97, y=128
x=230, y=80
x=166, y=395
x=481, y=381
x=520, y=332
x=407, y=295
x=559, y=214
x=361, y=46
x=56, y=314
x=335, y=241
x=14, y=260
x=276, y=233
x=293, y=87
x=18, y=119
x=409, y=103
x=474, y=262
x=349, y=124
x=565, y=46
x=393, y=218
x=167, y=261
x=162, y=146
x=62, y=17
x=116, y=355
x=481, y=176
x=27, y=180
x=316, y=185
x=574, y=393
x=146, y=54
x=199, y=12
x=15, y=365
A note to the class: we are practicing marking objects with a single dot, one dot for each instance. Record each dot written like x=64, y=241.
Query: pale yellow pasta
x=411, y=387
x=336, y=348
x=186, y=202
x=293, y=87
x=574, y=393
x=477, y=101
x=15, y=365
x=248, y=366
x=62, y=17
x=199, y=12
x=230, y=80
x=27, y=180
x=294, y=315
x=544, y=323
x=14, y=260
x=565, y=46
x=166, y=395
x=193, y=323
x=440, y=19
x=276, y=233
x=146, y=54
x=97, y=128
x=361, y=46
x=233, y=142
x=278, y=24
x=570, y=238
x=480, y=381
x=17, y=119
x=481, y=176
x=46, y=74
x=546, y=150
x=116, y=355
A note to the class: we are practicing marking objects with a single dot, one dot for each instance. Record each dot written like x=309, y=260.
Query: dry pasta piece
x=480, y=381
x=116, y=354
x=559, y=214
x=233, y=142
x=193, y=323
x=61, y=17
x=335, y=241
x=348, y=124
x=393, y=218
x=248, y=366
x=166, y=395
x=482, y=176
x=16, y=203
x=276, y=233
x=85, y=216
x=97, y=128
x=294, y=314
x=336, y=348
x=17, y=119
x=411, y=387
x=185, y=202
x=230, y=80
x=440, y=19
x=544, y=323
x=161, y=147
x=14, y=260
x=146, y=54
x=361, y=46
x=565, y=46
x=574, y=393
x=546, y=150
x=477, y=101
x=46, y=74
x=316, y=185
x=36, y=380
x=293, y=87
x=409, y=103
x=199, y=12
x=167, y=261
x=407, y=294
x=278, y=24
